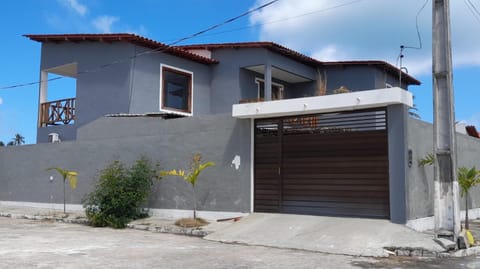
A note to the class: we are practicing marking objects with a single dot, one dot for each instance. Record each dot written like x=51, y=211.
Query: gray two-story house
x=289, y=133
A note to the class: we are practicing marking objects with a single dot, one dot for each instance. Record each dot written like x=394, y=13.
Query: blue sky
x=324, y=29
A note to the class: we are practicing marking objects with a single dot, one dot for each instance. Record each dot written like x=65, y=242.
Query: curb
x=76, y=220
x=420, y=252
x=197, y=232
x=171, y=229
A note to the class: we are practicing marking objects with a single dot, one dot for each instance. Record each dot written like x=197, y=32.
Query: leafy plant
x=191, y=176
x=120, y=194
x=427, y=160
x=72, y=179
x=467, y=178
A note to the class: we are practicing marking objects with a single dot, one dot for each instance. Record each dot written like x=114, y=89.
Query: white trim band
x=324, y=104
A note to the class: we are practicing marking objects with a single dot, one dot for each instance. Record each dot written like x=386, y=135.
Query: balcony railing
x=57, y=112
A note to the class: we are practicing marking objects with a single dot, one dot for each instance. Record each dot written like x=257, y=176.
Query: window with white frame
x=176, y=89
x=277, y=89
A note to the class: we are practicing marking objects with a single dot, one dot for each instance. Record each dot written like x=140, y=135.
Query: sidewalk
x=345, y=236
x=153, y=224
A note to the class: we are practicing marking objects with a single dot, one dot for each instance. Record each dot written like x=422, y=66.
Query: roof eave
x=121, y=37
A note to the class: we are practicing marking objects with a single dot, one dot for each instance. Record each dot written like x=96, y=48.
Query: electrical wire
x=473, y=9
x=280, y=20
x=152, y=50
x=420, y=45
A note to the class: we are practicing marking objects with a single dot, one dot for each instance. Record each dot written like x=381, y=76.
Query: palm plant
x=72, y=178
x=191, y=176
x=467, y=178
x=18, y=139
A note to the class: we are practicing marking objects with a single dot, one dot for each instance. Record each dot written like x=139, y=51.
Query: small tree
x=18, y=139
x=2, y=144
x=72, y=178
x=191, y=176
x=467, y=178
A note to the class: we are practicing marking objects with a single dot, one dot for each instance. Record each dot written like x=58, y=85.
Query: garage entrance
x=333, y=164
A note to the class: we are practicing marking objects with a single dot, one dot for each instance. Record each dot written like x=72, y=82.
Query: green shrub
x=120, y=194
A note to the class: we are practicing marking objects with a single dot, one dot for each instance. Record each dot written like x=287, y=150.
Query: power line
x=420, y=45
x=473, y=9
x=283, y=19
x=402, y=47
x=225, y=22
x=152, y=50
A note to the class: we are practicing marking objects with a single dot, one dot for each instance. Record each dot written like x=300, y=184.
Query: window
x=277, y=89
x=176, y=90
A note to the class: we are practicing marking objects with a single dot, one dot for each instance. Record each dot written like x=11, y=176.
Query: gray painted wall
x=146, y=82
x=131, y=86
x=356, y=78
x=220, y=188
x=231, y=82
x=420, y=179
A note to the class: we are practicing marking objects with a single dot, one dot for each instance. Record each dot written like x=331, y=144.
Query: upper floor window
x=277, y=89
x=176, y=91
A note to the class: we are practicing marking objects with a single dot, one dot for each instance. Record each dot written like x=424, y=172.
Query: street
x=46, y=244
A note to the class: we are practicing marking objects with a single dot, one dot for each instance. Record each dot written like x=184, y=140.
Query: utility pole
x=446, y=204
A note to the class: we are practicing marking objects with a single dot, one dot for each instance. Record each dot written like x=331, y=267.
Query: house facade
x=129, y=74
x=289, y=133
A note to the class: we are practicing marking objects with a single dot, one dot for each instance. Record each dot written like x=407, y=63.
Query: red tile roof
x=122, y=37
x=266, y=45
x=387, y=66
x=301, y=57
x=472, y=131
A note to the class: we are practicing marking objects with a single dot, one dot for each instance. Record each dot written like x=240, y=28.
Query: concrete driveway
x=347, y=236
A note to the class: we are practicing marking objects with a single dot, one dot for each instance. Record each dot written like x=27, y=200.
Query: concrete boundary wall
x=420, y=179
x=219, y=138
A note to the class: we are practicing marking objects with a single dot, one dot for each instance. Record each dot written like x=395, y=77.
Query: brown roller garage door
x=332, y=164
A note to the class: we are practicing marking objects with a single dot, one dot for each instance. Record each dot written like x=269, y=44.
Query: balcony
x=57, y=112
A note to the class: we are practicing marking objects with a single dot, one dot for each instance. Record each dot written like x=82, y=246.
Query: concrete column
x=43, y=93
x=268, y=82
x=397, y=118
x=446, y=206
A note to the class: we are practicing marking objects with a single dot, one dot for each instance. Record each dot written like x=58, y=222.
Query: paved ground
x=48, y=244
x=350, y=236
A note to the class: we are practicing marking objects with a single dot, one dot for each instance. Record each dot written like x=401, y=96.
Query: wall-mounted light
x=410, y=158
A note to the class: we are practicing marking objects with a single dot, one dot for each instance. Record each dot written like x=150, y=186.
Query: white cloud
x=329, y=53
x=75, y=6
x=374, y=29
x=104, y=23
